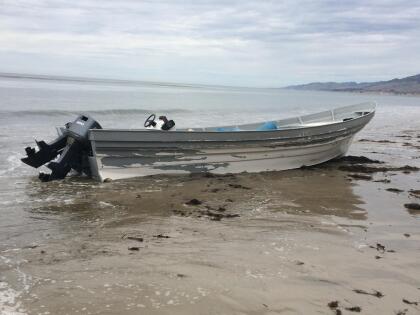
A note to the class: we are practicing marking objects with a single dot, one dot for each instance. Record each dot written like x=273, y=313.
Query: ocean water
x=31, y=109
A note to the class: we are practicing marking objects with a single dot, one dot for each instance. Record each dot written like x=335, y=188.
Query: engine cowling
x=70, y=150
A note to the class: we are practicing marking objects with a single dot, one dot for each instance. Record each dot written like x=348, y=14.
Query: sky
x=238, y=43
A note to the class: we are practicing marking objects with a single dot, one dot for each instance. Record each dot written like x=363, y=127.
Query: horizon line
x=69, y=78
x=81, y=79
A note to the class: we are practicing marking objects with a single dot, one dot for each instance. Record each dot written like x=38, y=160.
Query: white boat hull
x=224, y=162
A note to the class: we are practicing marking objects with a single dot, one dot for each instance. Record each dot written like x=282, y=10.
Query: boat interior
x=337, y=115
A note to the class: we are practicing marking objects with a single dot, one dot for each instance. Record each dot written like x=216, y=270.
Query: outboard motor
x=72, y=148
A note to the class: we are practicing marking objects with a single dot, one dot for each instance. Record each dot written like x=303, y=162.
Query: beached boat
x=267, y=146
x=270, y=146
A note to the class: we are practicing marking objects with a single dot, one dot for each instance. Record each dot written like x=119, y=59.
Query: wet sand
x=292, y=242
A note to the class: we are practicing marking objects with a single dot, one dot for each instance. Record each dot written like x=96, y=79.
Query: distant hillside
x=408, y=85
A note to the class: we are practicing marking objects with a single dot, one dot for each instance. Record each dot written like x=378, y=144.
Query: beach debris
x=194, y=202
x=360, y=168
x=181, y=275
x=379, y=247
x=181, y=212
x=132, y=237
x=385, y=181
x=215, y=214
x=239, y=186
x=359, y=160
x=138, y=196
x=228, y=215
x=374, y=293
x=333, y=304
x=407, y=144
x=107, y=180
x=31, y=246
x=218, y=216
x=395, y=190
x=135, y=238
x=161, y=236
x=407, y=168
x=299, y=263
x=415, y=192
x=360, y=176
x=412, y=206
x=377, y=141
x=212, y=212
x=403, y=312
x=407, y=235
x=410, y=302
x=356, y=309
x=134, y=248
x=378, y=257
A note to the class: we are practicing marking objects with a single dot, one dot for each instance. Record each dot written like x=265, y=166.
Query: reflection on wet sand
x=312, y=192
x=297, y=192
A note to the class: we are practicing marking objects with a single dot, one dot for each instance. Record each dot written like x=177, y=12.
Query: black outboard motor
x=72, y=147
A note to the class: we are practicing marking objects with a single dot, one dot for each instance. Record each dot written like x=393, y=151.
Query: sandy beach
x=333, y=239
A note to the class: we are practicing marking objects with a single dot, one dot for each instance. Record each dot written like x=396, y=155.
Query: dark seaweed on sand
x=412, y=206
x=194, y=202
x=409, y=302
x=396, y=190
x=359, y=168
x=333, y=304
x=239, y=186
x=374, y=293
x=161, y=236
x=358, y=160
x=360, y=176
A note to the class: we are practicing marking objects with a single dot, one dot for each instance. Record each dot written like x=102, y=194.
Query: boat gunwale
x=352, y=129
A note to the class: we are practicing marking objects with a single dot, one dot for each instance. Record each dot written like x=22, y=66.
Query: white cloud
x=265, y=43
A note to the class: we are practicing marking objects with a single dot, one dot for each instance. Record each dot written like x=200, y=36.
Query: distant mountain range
x=408, y=85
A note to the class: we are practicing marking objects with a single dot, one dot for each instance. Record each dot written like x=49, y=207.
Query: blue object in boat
x=269, y=125
x=228, y=129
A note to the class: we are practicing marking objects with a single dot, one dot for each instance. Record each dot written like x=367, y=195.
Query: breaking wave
x=12, y=163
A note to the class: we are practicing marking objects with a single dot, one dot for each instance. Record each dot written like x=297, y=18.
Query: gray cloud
x=262, y=43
